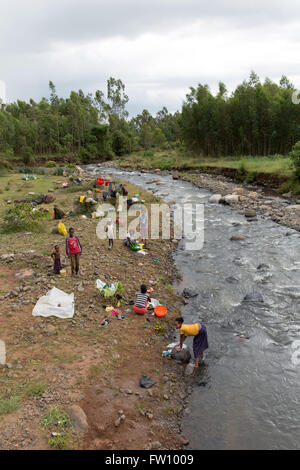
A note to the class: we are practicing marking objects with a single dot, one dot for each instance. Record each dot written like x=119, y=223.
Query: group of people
x=74, y=251
x=197, y=330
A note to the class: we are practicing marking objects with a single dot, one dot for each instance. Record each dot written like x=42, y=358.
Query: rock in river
x=254, y=297
x=188, y=293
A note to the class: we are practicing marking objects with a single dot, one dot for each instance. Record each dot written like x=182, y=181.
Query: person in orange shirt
x=200, y=342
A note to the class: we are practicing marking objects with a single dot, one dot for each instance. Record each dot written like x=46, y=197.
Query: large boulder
x=249, y=213
x=188, y=293
x=78, y=417
x=182, y=357
x=231, y=198
x=215, y=199
x=294, y=208
x=240, y=191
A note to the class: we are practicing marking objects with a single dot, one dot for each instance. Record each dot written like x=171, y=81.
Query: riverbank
x=249, y=199
x=274, y=173
x=59, y=369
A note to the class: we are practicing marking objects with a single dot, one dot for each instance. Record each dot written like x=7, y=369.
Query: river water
x=246, y=394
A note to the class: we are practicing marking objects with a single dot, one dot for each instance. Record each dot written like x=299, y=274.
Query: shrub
x=50, y=164
x=22, y=218
x=149, y=153
x=295, y=156
x=250, y=177
x=58, y=172
x=27, y=155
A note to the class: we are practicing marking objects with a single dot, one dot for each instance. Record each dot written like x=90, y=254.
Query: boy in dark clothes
x=73, y=251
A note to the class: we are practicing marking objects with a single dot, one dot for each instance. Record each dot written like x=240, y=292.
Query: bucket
x=160, y=311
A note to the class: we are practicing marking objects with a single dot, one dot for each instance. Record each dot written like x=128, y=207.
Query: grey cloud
x=38, y=23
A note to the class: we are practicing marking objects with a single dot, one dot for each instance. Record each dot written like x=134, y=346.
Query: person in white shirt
x=110, y=233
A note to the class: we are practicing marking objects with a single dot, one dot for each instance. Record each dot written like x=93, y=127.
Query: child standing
x=110, y=233
x=73, y=251
x=56, y=258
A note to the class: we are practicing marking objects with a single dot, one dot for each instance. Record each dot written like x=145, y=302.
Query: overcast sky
x=159, y=48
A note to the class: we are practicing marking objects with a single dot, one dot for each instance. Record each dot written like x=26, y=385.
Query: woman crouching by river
x=200, y=342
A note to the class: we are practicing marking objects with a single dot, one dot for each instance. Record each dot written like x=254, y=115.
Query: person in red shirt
x=73, y=251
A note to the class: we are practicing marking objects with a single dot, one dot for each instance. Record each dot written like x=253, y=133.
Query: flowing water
x=246, y=394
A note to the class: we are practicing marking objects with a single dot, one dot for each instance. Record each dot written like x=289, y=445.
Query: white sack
x=47, y=305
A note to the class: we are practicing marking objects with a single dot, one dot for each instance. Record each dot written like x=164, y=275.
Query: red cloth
x=139, y=310
x=73, y=245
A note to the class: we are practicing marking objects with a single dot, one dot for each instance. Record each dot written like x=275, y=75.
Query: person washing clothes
x=141, y=302
x=73, y=251
x=129, y=239
x=200, y=342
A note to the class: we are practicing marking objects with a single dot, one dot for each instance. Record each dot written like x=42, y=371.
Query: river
x=246, y=394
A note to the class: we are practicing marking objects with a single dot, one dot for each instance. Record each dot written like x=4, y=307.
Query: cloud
x=157, y=48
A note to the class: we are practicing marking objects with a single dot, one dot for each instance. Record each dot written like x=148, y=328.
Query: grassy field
x=175, y=160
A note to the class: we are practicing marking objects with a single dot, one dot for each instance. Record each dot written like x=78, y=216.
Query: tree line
x=256, y=119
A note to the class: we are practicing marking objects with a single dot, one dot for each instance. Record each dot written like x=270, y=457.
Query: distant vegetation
x=257, y=119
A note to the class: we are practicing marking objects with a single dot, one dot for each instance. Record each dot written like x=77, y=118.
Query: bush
x=58, y=172
x=27, y=155
x=22, y=218
x=149, y=153
x=50, y=164
x=295, y=156
x=29, y=170
x=120, y=143
x=250, y=177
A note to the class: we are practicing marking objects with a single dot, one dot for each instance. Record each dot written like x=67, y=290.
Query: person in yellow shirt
x=200, y=342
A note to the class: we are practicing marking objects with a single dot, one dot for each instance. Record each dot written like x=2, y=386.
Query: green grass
x=17, y=393
x=10, y=405
x=59, y=428
x=35, y=390
x=56, y=417
x=182, y=161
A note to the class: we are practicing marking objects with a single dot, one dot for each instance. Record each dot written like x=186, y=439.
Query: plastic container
x=160, y=311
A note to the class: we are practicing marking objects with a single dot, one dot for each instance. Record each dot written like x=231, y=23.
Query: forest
x=257, y=119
